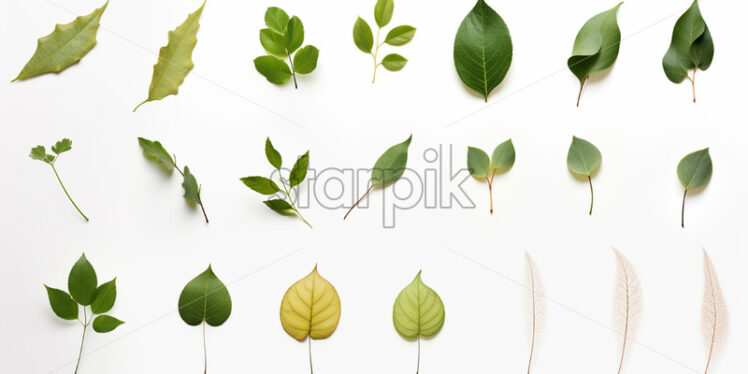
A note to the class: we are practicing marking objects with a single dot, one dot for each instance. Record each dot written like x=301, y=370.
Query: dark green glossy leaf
x=583, y=157
x=298, y=173
x=273, y=69
x=191, y=188
x=280, y=206
x=273, y=156
x=695, y=170
x=294, y=36
x=305, y=60
x=691, y=46
x=272, y=42
x=400, y=35
x=276, y=20
x=391, y=164
x=596, y=45
x=478, y=163
x=383, y=12
x=262, y=185
x=104, y=297
x=82, y=281
x=363, y=36
x=63, y=145
x=62, y=304
x=104, y=324
x=503, y=155
x=205, y=298
x=394, y=62
x=153, y=150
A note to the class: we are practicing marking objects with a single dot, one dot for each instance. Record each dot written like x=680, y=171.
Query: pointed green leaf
x=305, y=60
x=691, y=45
x=62, y=304
x=262, y=185
x=191, y=188
x=40, y=153
x=273, y=156
x=82, y=281
x=482, y=49
x=400, y=35
x=104, y=324
x=174, y=59
x=63, y=145
x=64, y=47
x=503, y=155
x=280, y=206
x=273, y=69
x=418, y=311
x=154, y=151
x=298, y=173
x=478, y=163
x=363, y=36
x=695, y=170
x=104, y=297
x=394, y=62
x=294, y=36
x=383, y=12
x=583, y=157
x=272, y=42
x=596, y=45
x=276, y=19
x=205, y=298
x=391, y=164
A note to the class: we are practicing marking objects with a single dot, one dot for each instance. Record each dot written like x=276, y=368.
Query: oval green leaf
x=272, y=42
x=104, y=324
x=82, y=281
x=691, y=45
x=383, y=12
x=261, y=185
x=400, y=35
x=294, y=36
x=695, y=170
x=305, y=60
x=205, y=298
x=583, y=157
x=104, y=297
x=298, y=172
x=154, y=151
x=391, y=164
x=62, y=304
x=362, y=35
x=274, y=157
x=482, y=49
x=596, y=45
x=276, y=20
x=478, y=163
x=273, y=69
x=418, y=311
x=503, y=155
x=394, y=62
x=279, y=206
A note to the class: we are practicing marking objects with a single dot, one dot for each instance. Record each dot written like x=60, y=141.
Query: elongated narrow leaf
x=62, y=304
x=482, y=49
x=153, y=150
x=391, y=164
x=294, y=35
x=715, y=321
x=503, y=155
x=64, y=47
x=691, y=46
x=695, y=170
x=280, y=206
x=274, y=157
x=174, y=59
x=583, y=157
x=261, y=185
x=418, y=311
x=104, y=297
x=82, y=281
x=104, y=324
x=400, y=35
x=596, y=45
x=310, y=308
x=205, y=298
x=394, y=62
x=536, y=305
x=362, y=35
x=298, y=173
x=478, y=163
x=627, y=303
x=383, y=12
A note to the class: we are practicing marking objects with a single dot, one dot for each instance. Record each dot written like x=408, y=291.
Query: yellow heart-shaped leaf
x=310, y=307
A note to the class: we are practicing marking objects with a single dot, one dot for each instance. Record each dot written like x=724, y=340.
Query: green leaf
x=596, y=45
x=298, y=173
x=40, y=153
x=174, y=59
x=273, y=156
x=583, y=157
x=691, y=46
x=478, y=163
x=418, y=311
x=191, y=188
x=383, y=12
x=104, y=324
x=280, y=206
x=394, y=62
x=391, y=164
x=305, y=60
x=205, y=298
x=272, y=42
x=262, y=185
x=63, y=145
x=64, y=47
x=482, y=49
x=503, y=155
x=400, y=35
x=276, y=19
x=363, y=36
x=82, y=281
x=104, y=297
x=62, y=304
x=274, y=69
x=695, y=170
x=153, y=150
x=294, y=36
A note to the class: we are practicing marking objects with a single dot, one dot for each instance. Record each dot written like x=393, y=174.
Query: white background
x=142, y=231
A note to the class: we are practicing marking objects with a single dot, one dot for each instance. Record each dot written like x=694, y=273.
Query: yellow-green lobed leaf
x=418, y=311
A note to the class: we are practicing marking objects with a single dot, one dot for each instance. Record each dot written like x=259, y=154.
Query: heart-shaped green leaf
x=418, y=311
x=583, y=157
x=205, y=298
x=62, y=304
x=104, y=324
x=503, y=155
x=362, y=35
x=695, y=170
x=391, y=164
x=482, y=49
x=400, y=35
x=273, y=69
x=104, y=297
x=383, y=12
x=82, y=281
x=276, y=20
x=394, y=62
x=305, y=60
x=478, y=163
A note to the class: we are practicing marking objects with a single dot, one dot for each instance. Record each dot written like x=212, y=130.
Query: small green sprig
x=40, y=153
x=86, y=293
x=266, y=186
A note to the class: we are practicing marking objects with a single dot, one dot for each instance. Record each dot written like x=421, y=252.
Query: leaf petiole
x=359, y=200
x=293, y=71
x=290, y=200
x=65, y=190
x=311, y=368
x=581, y=86
x=683, y=210
x=592, y=194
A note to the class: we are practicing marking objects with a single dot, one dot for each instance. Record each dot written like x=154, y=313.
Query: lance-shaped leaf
x=583, y=159
x=62, y=304
x=174, y=59
x=104, y=297
x=418, y=311
x=104, y=324
x=482, y=49
x=715, y=321
x=596, y=46
x=64, y=47
x=205, y=299
x=82, y=281
x=154, y=151
x=690, y=48
x=310, y=308
x=694, y=171
x=391, y=164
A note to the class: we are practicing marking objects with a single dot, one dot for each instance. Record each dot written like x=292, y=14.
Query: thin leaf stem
x=683, y=210
x=418, y=362
x=205, y=350
x=311, y=368
x=359, y=200
x=490, y=188
x=693, y=85
x=534, y=318
x=293, y=71
x=592, y=194
x=66, y=192
x=83, y=339
x=290, y=200
x=581, y=86
x=374, y=55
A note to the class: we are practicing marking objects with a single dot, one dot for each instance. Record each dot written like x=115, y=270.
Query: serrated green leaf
x=310, y=308
x=418, y=311
x=394, y=62
x=272, y=42
x=261, y=185
x=191, y=188
x=362, y=35
x=503, y=155
x=276, y=19
x=104, y=324
x=273, y=156
x=104, y=297
x=478, y=163
x=400, y=35
x=273, y=69
x=64, y=47
x=82, y=281
x=596, y=45
x=482, y=49
x=279, y=206
x=174, y=59
x=62, y=304
x=298, y=173
x=205, y=298
x=583, y=157
x=154, y=151
x=391, y=164
x=294, y=36
x=305, y=60
x=383, y=12
x=63, y=145
x=40, y=153
x=695, y=170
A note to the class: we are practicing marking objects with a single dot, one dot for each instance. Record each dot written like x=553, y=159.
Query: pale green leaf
x=362, y=35
x=62, y=304
x=276, y=19
x=82, y=281
x=478, y=163
x=104, y=297
x=298, y=173
x=104, y=324
x=596, y=45
x=391, y=164
x=205, y=298
x=400, y=35
x=272, y=42
x=695, y=170
x=503, y=155
x=261, y=185
x=273, y=69
x=583, y=157
x=418, y=311
x=383, y=12
x=305, y=60
x=153, y=150
x=394, y=62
